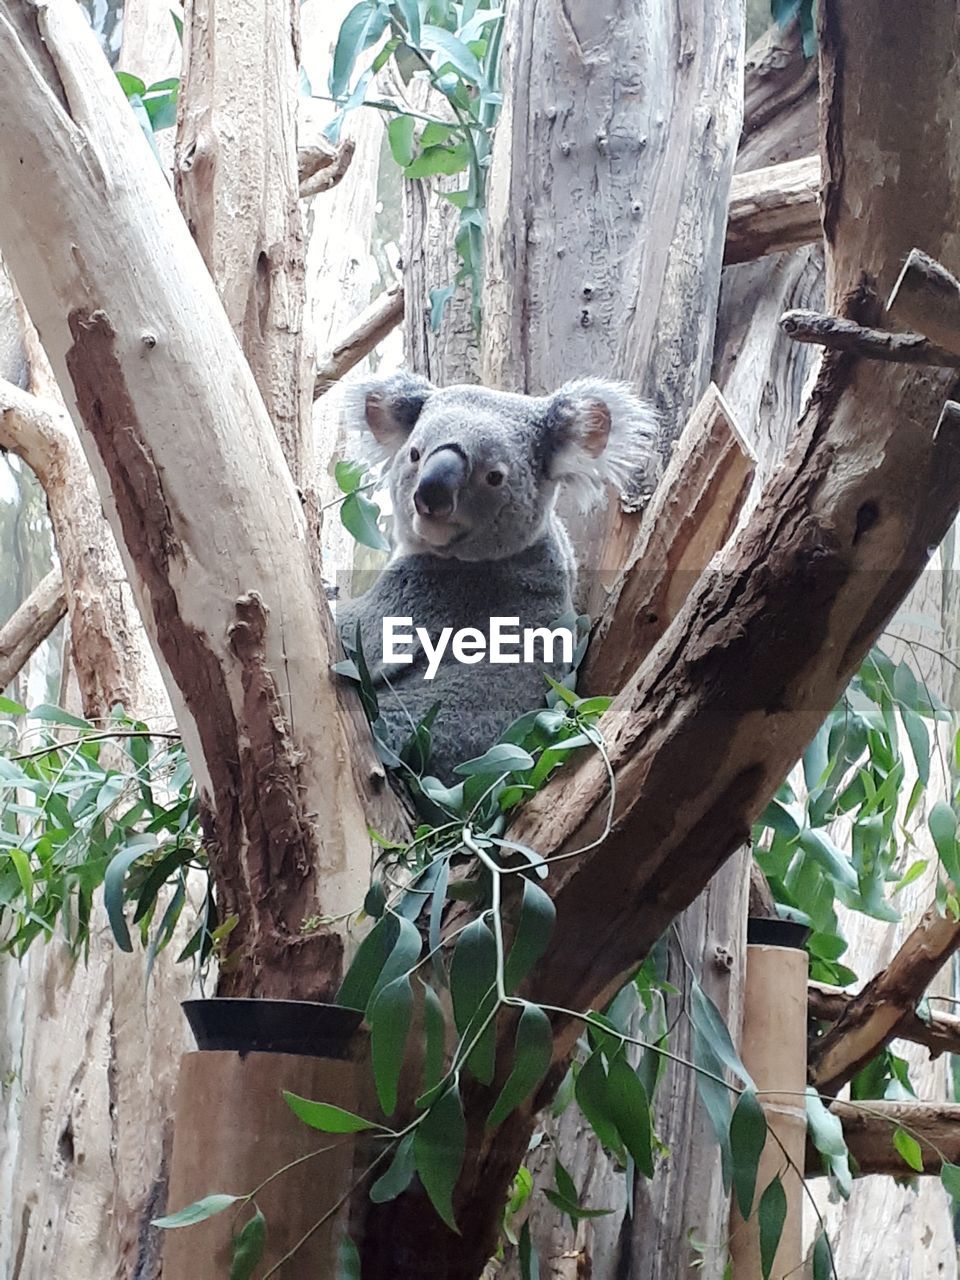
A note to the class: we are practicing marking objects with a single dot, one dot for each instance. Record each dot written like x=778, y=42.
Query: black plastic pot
x=770, y=932
x=273, y=1026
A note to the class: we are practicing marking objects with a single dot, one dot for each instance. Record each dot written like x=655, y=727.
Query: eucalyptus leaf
x=439, y=1145
x=532, y=1054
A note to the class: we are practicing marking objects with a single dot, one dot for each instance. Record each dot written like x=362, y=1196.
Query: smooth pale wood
x=22, y=635
x=367, y=332
x=236, y=176
x=690, y=517
x=868, y=1128
x=773, y=1049
x=873, y=1017
x=232, y=1131
x=195, y=485
x=773, y=209
x=926, y=297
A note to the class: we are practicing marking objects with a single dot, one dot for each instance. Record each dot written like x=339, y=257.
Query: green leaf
x=130, y=84
x=399, y=1174
x=435, y=133
x=715, y=1097
x=10, y=708
x=348, y=1260
x=592, y=1098
x=629, y=1108
x=919, y=742
x=362, y=27
x=438, y=304
x=708, y=1021
x=57, y=715
x=826, y=1134
x=451, y=52
x=409, y=11
x=532, y=1054
x=359, y=516
x=435, y=160
x=326, y=1117
x=199, y=1211
x=389, y=1027
x=822, y=1258
x=748, y=1134
x=818, y=844
x=439, y=1145
x=950, y=1177
x=401, y=960
x=504, y=757
x=248, y=1247
x=909, y=1148
x=113, y=881
x=400, y=132
x=942, y=822
x=473, y=973
x=537, y=918
x=529, y=1257
x=435, y=1033
x=771, y=1215
x=389, y=949
x=348, y=475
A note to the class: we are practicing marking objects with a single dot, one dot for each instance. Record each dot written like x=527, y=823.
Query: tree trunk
x=231, y=603
x=237, y=182
x=601, y=262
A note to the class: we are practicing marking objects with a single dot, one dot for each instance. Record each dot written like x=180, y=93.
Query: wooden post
x=774, y=1051
x=233, y=1131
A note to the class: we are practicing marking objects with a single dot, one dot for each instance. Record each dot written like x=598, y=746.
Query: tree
x=753, y=658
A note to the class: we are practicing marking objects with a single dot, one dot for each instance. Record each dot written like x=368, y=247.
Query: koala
x=474, y=477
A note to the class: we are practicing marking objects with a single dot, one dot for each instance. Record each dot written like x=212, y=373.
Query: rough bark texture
x=691, y=516
x=773, y=209
x=90, y=1070
x=765, y=643
x=869, y=1127
x=939, y=1033
x=237, y=182
x=22, y=635
x=608, y=197
x=179, y=442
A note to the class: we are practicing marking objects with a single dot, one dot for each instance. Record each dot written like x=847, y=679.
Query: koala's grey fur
x=501, y=550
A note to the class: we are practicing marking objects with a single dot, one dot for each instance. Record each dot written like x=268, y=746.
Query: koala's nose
x=440, y=480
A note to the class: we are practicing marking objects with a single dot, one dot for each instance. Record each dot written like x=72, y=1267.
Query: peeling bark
x=179, y=442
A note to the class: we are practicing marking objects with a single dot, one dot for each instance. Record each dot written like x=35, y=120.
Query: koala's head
x=474, y=473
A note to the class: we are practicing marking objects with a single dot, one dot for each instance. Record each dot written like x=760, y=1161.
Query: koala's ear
x=600, y=433
x=384, y=411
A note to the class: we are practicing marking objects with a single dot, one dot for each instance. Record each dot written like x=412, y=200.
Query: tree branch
x=321, y=165
x=36, y=430
x=940, y=1033
x=838, y=334
x=367, y=331
x=868, y=1128
x=886, y=1005
x=688, y=519
x=773, y=209
x=22, y=635
x=927, y=297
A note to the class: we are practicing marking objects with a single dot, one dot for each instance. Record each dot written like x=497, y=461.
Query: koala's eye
x=414, y=455
x=495, y=478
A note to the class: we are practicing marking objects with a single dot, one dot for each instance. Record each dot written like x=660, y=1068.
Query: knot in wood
x=248, y=629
